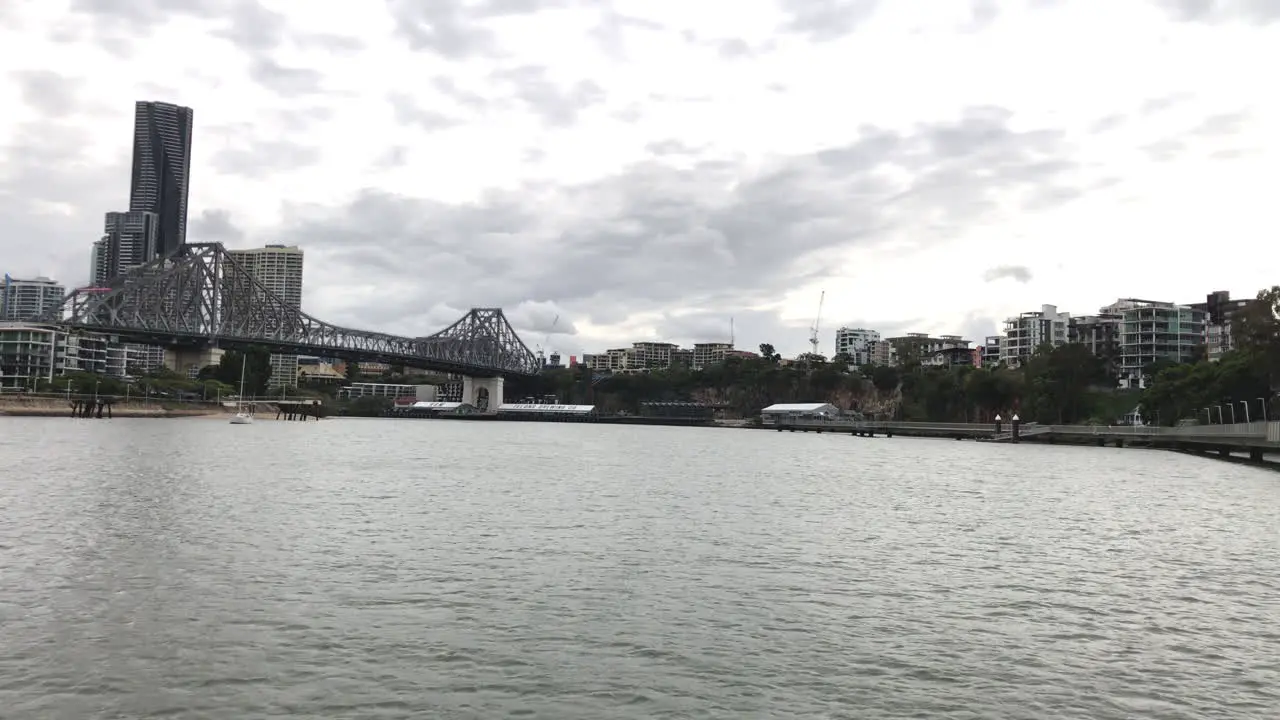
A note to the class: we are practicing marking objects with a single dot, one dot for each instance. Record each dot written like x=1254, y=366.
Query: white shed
x=798, y=410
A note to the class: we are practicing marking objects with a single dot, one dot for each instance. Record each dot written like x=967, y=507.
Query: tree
x=352, y=371
x=768, y=352
x=256, y=363
x=1255, y=328
x=1059, y=383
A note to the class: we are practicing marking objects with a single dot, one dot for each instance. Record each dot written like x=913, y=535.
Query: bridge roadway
x=1256, y=438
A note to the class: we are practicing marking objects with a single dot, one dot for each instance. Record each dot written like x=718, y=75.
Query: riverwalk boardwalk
x=1258, y=439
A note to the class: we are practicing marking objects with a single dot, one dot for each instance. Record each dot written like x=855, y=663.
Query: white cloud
x=654, y=168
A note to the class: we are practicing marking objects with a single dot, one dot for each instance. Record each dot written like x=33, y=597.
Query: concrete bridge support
x=182, y=360
x=485, y=394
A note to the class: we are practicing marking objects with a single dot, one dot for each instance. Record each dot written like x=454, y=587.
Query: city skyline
x=556, y=165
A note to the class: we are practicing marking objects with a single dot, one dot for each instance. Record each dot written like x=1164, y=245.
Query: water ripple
x=377, y=569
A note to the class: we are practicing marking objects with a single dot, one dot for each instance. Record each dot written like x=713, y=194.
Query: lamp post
x=1208, y=416
x=1245, y=403
x=1219, y=414
x=1232, y=408
x=1264, y=408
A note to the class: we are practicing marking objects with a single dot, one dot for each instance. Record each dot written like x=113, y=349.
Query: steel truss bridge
x=200, y=296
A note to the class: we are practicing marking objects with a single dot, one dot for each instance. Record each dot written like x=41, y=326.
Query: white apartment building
x=705, y=354
x=26, y=300
x=279, y=269
x=652, y=355
x=857, y=343
x=1027, y=332
x=30, y=353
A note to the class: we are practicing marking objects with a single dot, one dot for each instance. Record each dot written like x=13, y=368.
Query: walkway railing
x=1264, y=431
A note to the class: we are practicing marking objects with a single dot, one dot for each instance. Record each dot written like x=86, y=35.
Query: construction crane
x=813, y=331
x=547, y=342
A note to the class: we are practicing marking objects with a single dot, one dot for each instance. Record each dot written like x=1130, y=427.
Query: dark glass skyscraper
x=162, y=169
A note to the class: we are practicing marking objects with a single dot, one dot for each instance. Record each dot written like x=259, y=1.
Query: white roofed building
x=780, y=411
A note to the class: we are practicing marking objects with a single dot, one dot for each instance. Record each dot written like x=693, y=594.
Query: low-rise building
x=952, y=357
x=921, y=347
x=426, y=393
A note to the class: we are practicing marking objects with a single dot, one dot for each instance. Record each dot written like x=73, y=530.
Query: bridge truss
x=201, y=295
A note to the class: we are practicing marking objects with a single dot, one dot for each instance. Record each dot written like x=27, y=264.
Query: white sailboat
x=242, y=414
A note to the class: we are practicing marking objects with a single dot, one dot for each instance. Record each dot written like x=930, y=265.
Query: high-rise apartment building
x=1027, y=332
x=129, y=239
x=162, y=170
x=857, y=344
x=26, y=300
x=278, y=268
x=1156, y=331
x=709, y=353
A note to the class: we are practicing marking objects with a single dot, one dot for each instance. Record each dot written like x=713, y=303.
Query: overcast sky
x=649, y=169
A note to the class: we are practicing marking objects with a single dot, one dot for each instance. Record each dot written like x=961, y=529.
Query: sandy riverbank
x=42, y=407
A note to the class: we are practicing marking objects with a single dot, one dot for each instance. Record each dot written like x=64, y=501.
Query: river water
x=443, y=569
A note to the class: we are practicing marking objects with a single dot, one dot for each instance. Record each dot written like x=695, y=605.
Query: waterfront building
x=1219, y=309
x=28, y=355
x=31, y=353
x=425, y=393
x=989, y=353
x=709, y=353
x=922, y=347
x=161, y=177
x=1100, y=334
x=651, y=355
x=278, y=268
x=881, y=352
x=1024, y=334
x=26, y=300
x=856, y=344
x=1153, y=332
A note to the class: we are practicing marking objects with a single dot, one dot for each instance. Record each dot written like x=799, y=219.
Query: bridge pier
x=1255, y=454
x=484, y=394
x=183, y=359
